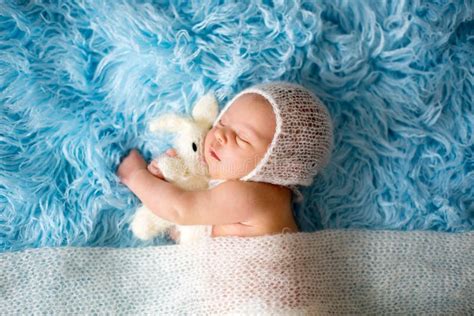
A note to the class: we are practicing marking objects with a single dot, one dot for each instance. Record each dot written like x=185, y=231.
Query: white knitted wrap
x=323, y=273
x=303, y=138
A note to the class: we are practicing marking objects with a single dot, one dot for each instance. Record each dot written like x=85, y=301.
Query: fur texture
x=79, y=80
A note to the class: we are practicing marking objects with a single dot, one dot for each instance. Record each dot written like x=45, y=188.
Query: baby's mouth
x=213, y=154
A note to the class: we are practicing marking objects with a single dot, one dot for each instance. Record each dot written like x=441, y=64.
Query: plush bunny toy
x=187, y=170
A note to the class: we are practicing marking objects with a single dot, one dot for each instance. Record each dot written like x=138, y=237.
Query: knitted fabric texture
x=303, y=138
x=329, y=272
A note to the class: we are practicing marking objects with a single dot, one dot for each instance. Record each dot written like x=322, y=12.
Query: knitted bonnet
x=303, y=138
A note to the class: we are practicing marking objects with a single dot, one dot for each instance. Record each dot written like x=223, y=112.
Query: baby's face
x=241, y=138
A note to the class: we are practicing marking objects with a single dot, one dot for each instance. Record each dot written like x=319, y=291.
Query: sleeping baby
x=268, y=139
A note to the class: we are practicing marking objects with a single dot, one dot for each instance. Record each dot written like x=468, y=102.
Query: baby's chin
x=222, y=175
x=221, y=170
x=215, y=173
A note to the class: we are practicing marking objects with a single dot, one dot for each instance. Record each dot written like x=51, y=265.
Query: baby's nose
x=220, y=137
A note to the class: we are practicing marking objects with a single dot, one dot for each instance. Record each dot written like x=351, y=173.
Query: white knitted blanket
x=321, y=273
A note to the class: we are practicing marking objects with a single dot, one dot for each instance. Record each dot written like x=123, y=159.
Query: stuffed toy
x=187, y=170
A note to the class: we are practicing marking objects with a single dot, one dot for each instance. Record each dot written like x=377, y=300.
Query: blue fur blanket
x=79, y=80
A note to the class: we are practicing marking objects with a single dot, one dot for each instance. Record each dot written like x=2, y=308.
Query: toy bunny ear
x=206, y=109
x=167, y=122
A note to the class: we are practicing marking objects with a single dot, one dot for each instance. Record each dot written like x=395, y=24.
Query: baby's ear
x=206, y=109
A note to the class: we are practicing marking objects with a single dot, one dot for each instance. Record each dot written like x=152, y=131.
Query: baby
x=267, y=140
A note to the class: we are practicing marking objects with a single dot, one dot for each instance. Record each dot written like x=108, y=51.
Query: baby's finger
x=174, y=233
x=153, y=168
x=171, y=152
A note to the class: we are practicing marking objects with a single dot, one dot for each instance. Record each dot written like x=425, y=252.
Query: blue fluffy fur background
x=80, y=79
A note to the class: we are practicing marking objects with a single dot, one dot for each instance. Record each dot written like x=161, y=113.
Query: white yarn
x=303, y=138
x=332, y=272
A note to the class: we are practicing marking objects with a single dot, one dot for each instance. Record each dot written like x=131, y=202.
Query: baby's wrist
x=134, y=175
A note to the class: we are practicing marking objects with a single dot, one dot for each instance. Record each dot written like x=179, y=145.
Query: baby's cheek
x=239, y=164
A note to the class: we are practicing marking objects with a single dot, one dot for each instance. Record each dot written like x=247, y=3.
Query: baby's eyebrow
x=251, y=130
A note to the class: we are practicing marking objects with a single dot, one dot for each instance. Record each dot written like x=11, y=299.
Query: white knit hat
x=303, y=138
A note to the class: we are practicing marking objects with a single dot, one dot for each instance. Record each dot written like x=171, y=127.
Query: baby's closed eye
x=242, y=139
x=240, y=136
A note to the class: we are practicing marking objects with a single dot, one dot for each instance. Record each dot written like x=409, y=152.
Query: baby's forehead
x=247, y=103
x=254, y=112
x=252, y=97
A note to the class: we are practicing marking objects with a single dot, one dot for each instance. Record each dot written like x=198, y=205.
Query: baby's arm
x=229, y=203
x=156, y=194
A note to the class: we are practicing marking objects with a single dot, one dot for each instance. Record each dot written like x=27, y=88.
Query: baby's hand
x=155, y=170
x=130, y=164
x=174, y=233
x=153, y=166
